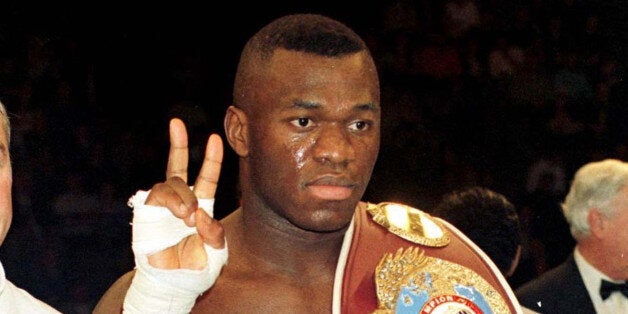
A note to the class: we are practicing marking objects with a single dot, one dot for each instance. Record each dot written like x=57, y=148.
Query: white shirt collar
x=3, y=278
x=592, y=278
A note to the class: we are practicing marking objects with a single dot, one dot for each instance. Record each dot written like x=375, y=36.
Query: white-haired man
x=593, y=278
x=12, y=298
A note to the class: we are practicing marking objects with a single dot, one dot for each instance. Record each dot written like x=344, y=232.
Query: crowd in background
x=511, y=95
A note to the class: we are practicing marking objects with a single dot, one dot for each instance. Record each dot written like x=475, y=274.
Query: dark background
x=90, y=87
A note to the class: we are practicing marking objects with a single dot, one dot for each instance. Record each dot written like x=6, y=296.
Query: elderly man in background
x=12, y=299
x=593, y=278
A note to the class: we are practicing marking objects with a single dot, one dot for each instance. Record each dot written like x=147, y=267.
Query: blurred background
x=511, y=95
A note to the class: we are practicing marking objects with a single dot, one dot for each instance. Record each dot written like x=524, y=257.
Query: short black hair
x=488, y=218
x=311, y=33
x=308, y=33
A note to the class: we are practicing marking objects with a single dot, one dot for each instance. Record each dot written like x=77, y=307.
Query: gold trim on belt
x=409, y=223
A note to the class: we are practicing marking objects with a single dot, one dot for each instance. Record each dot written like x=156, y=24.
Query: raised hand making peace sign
x=173, y=229
x=176, y=195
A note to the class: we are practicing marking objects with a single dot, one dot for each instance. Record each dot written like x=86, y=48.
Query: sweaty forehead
x=293, y=74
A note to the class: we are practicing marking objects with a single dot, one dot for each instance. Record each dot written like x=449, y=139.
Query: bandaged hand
x=167, y=290
x=179, y=248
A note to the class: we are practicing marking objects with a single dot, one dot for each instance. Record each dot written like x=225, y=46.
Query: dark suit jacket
x=559, y=290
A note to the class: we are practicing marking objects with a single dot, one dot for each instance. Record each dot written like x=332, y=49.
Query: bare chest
x=266, y=294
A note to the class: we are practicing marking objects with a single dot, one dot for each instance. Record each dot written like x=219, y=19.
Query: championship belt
x=402, y=260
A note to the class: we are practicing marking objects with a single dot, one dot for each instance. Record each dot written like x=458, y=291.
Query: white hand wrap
x=166, y=290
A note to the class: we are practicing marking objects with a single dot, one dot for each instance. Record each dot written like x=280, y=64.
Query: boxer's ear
x=237, y=130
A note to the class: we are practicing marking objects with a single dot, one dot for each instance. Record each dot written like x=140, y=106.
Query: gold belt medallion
x=410, y=282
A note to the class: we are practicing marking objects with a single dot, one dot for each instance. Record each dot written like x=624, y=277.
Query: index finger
x=178, y=154
x=207, y=180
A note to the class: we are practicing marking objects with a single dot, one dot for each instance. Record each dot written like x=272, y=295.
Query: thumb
x=210, y=230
